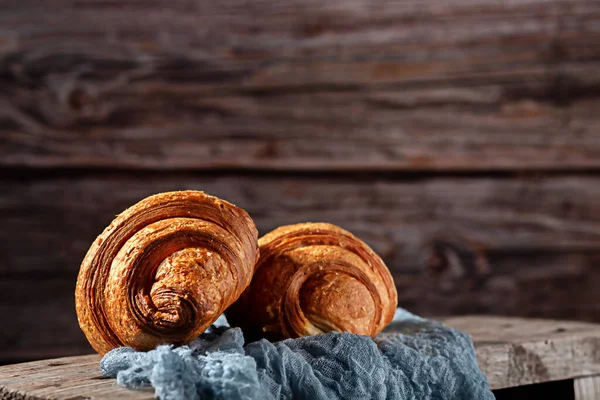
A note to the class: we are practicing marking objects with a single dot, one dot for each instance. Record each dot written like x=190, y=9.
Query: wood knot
x=315, y=27
x=67, y=100
x=79, y=98
x=455, y=260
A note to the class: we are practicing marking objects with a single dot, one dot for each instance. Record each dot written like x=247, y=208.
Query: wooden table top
x=511, y=352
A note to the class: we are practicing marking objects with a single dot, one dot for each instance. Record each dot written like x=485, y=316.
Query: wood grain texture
x=587, y=388
x=510, y=246
x=299, y=85
x=43, y=323
x=68, y=378
x=400, y=218
x=515, y=351
x=510, y=351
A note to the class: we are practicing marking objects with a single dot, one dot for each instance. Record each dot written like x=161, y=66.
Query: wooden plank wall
x=461, y=139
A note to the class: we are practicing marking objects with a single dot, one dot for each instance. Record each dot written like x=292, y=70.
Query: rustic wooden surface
x=511, y=352
x=408, y=122
x=384, y=85
x=73, y=378
x=473, y=217
x=587, y=388
x=514, y=246
x=516, y=352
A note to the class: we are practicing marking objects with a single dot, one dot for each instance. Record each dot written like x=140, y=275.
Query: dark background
x=461, y=139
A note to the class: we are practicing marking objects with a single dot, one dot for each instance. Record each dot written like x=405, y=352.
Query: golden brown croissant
x=313, y=278
x=164, y=270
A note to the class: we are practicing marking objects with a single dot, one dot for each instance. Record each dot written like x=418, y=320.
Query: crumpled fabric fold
x=414, y=358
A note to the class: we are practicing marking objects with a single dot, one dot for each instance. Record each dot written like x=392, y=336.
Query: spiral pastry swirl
x=164, y=270
x=314, y=278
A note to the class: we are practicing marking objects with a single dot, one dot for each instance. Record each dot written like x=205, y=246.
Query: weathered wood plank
x=510, y=351
x=49, y=222
x=510, y=246
x=587, y=388
x=428, y=85
x=43, y=320
x=515, y=351
x=62, y=379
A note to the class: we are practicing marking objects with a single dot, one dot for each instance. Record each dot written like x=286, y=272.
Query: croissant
x=314, y=278
x=164, y=270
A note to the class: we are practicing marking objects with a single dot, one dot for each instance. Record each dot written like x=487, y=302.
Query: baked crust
x=164, y=270
x=313, y=278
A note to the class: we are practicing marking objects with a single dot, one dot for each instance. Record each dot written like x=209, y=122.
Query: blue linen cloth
x=414, y=358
